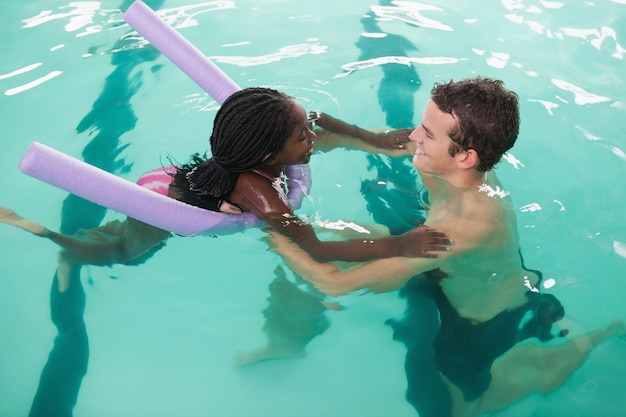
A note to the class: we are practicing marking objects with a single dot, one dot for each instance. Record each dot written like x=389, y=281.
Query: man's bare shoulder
x=478, y=227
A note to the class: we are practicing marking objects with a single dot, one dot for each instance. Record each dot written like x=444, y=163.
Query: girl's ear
x=468, y=159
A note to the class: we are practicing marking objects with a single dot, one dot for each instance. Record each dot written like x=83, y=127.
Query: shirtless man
x=466, y=128
x=465, y=200
x=257, y=133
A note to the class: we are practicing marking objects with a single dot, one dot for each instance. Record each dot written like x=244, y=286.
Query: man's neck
x=462, y=179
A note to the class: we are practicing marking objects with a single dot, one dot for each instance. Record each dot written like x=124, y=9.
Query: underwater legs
x=67, y=363
x=292, y=319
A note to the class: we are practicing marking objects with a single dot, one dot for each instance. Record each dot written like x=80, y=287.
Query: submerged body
x=258, y=132
x=482, y=287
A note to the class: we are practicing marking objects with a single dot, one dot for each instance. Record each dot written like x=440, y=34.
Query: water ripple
x=581, y=97
x=410, y=12
x=81, y=13
x=20, y=71
x=598, y=38
x=619, y=248
x=602, y=38
x=290, y=51
x=402, y=60
x=548, y=105
x=184, y=16
x=32, y=84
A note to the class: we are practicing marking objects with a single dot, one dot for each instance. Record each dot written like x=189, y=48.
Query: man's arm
x=470, y=235
x=380, y=275
x=256, y=194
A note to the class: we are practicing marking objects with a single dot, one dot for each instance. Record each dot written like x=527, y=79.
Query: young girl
x=257, y=133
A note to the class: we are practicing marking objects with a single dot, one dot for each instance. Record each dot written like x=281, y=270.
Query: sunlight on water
x=20, y=71
x=164, y=336
x=81, y=14
x=411, y=12
x=291, y=51
x=32, y=84
x=402, y=60
x=581, y=97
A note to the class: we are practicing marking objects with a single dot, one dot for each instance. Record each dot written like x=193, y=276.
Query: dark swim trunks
x=465, y=351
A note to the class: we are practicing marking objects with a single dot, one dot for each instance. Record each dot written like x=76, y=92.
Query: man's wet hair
x=487, y=115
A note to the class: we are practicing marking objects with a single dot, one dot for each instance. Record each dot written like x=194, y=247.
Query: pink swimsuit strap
x=263, y=174
x=158, y=180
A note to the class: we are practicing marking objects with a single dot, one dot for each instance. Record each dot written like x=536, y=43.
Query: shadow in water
x=449, y=359
x=392, y=196
x=67, y=363
x=110, y=117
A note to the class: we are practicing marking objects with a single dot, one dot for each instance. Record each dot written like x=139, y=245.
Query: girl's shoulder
x=259, y=194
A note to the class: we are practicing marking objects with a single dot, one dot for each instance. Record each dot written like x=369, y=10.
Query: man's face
x=433, y=141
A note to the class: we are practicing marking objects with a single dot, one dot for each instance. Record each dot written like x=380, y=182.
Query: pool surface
x=164, y=336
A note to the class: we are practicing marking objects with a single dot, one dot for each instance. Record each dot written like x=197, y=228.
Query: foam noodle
x=108, y=190
x=180, y=51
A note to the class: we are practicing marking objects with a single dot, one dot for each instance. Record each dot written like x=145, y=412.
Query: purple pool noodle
x=298, y=184
x=108, y=190
x=180, y=51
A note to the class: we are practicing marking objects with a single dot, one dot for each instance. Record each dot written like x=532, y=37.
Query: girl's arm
x=256, y=194
x=380, y=275
x=334, y=133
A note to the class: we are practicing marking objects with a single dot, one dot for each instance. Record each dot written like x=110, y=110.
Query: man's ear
x=468, y=159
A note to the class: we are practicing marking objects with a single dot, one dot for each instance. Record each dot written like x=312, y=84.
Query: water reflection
x=296, y=312
x=392, y=196
x=460, y=365
x=438, y=380
x=110, y=117
x=66, y=366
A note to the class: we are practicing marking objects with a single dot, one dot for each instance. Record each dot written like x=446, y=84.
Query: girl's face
x=299, y=146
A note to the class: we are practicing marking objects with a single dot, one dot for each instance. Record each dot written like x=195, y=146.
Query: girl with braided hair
x=257, y=133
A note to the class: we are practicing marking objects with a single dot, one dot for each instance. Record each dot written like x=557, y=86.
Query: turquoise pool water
x=163, y=335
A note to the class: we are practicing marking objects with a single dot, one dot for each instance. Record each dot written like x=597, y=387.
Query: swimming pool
x=163, y=335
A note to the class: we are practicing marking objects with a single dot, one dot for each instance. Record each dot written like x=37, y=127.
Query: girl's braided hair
x=250, y=129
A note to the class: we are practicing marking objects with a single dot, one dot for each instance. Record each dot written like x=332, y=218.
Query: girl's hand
x=422, y=241
x=388, y=139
